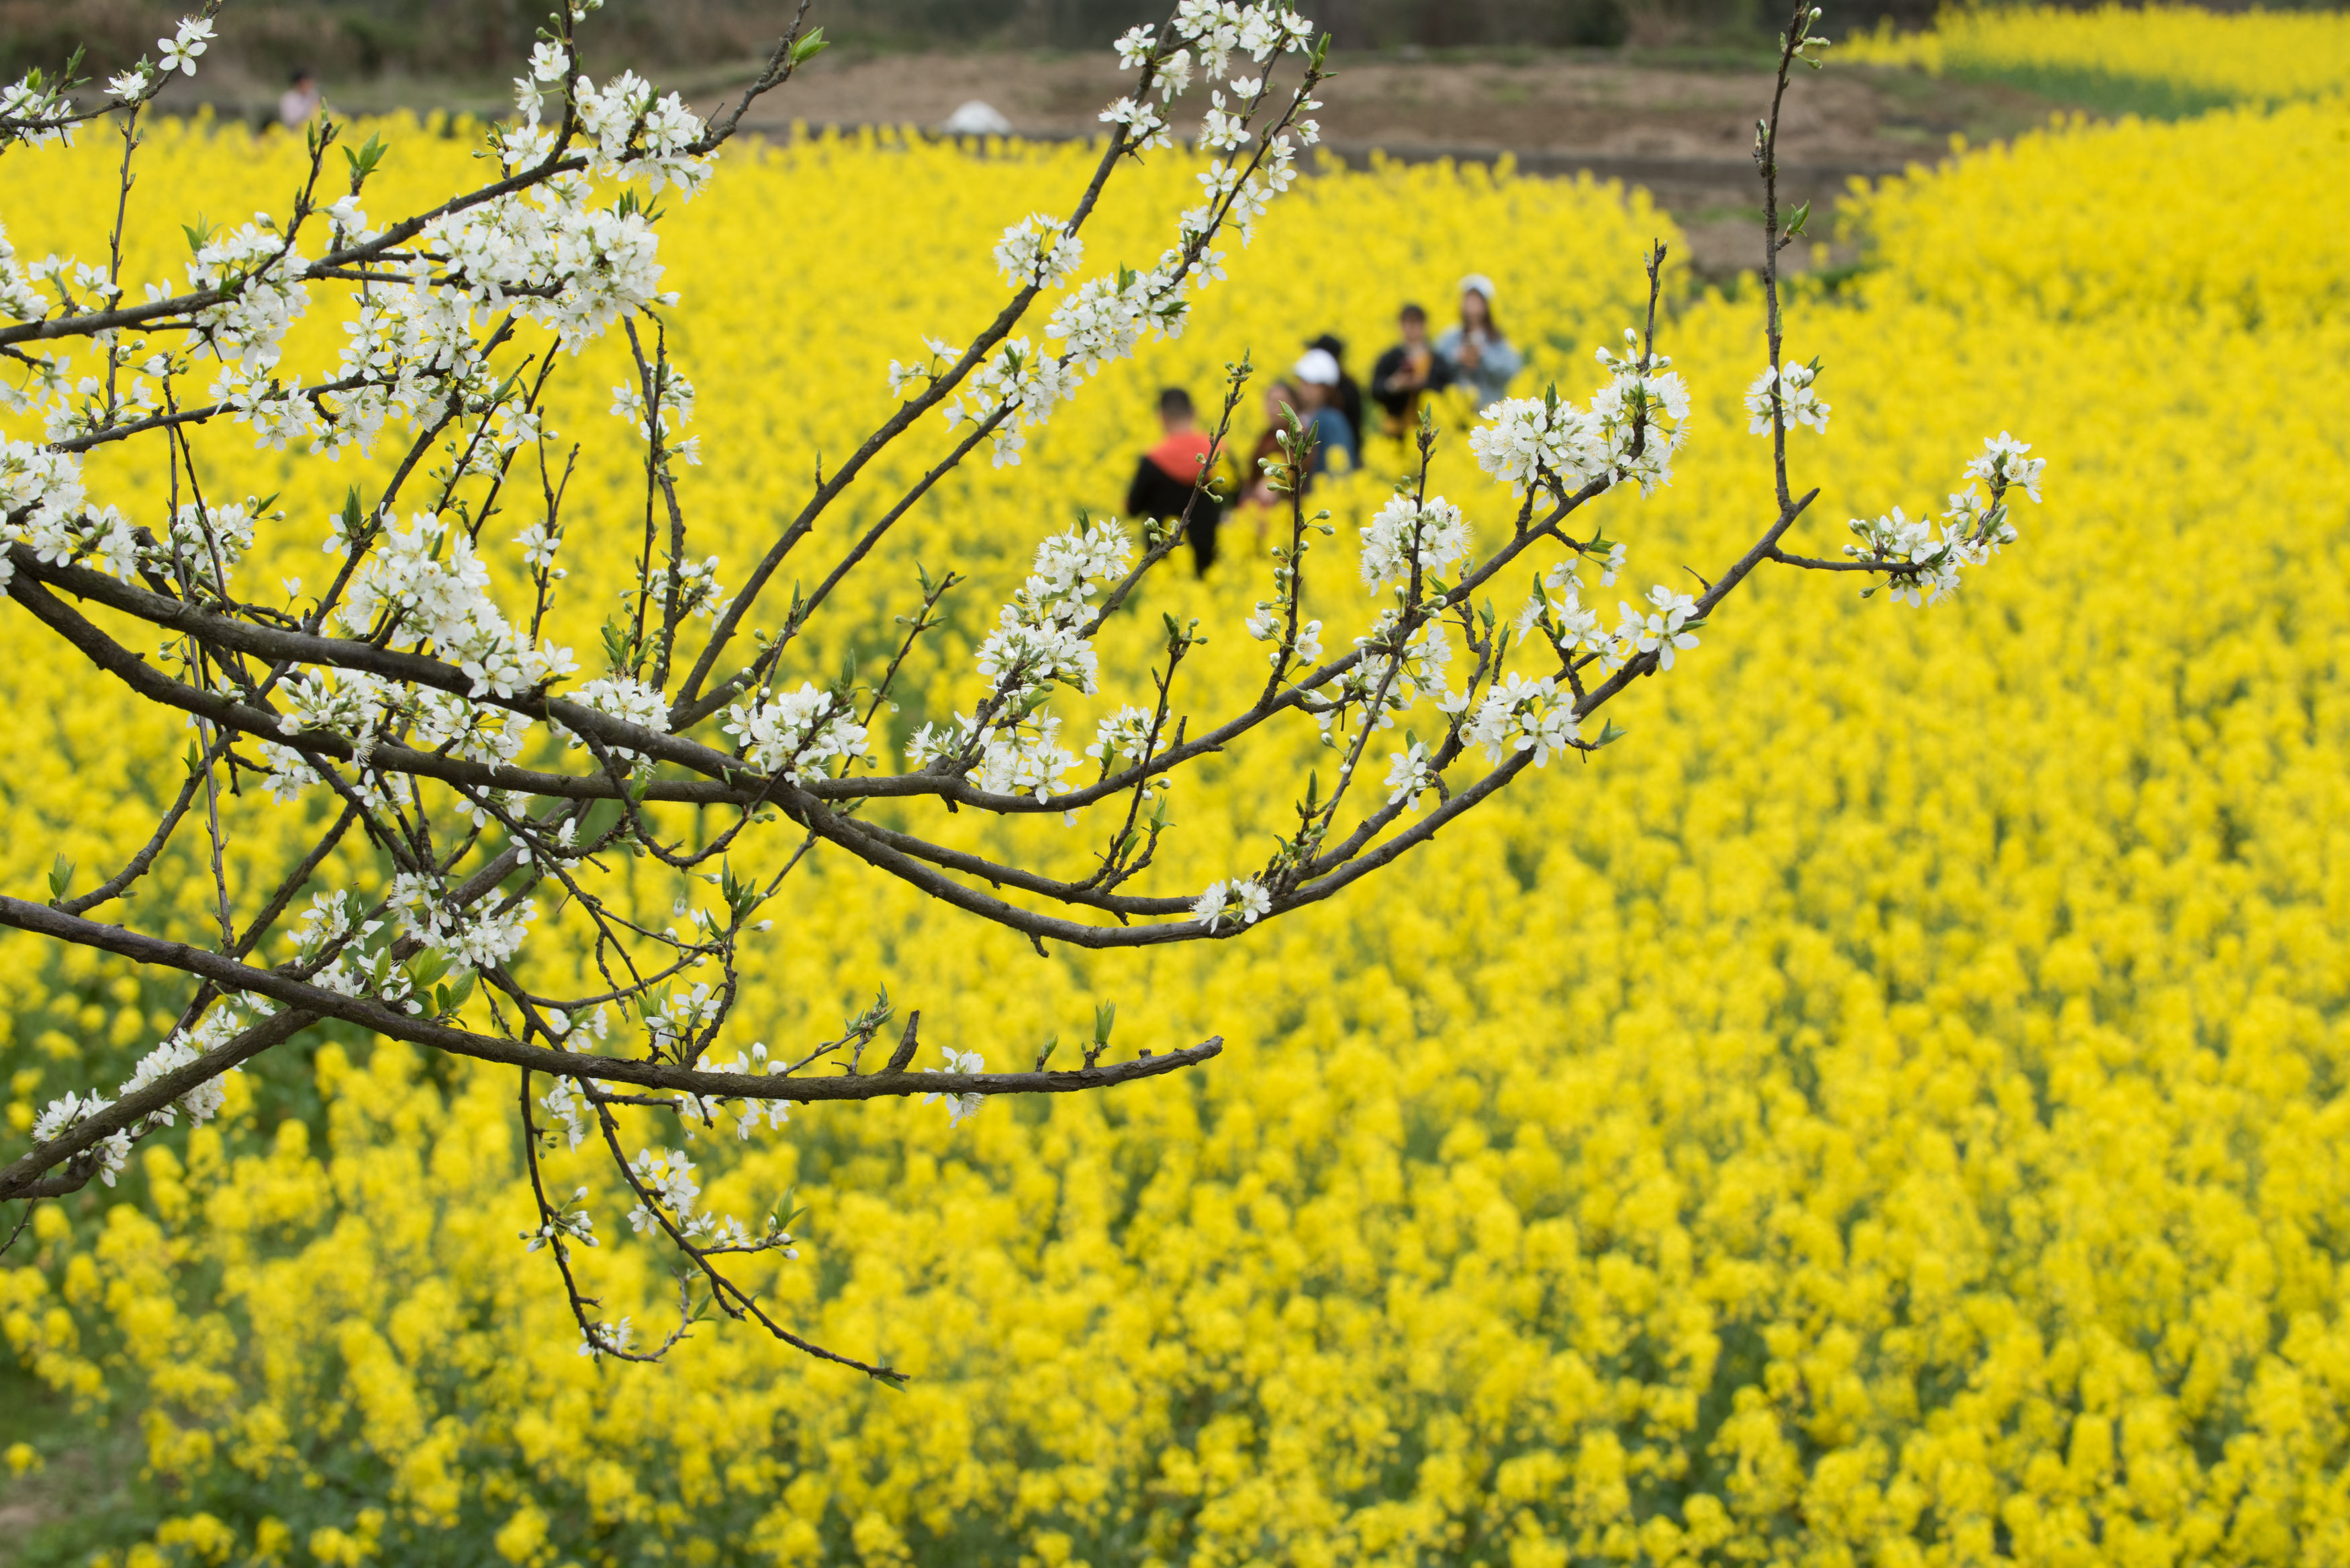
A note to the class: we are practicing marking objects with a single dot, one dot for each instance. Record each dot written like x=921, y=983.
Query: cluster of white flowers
x=42, y=504
x=1037, y=644
x=1644, y=408
x=1020, y=381
x=1037, y=639
x=1268, y=623
x=1529, y=444
x=30, y=113
x=638, y=137
x=1405, y=536
x=480, y=938
x=564, y=1224
x=331, y=919
x=2002, y=463
x=261, y=272
x=70, y=1107
x=1125, y=734
x=606, y=1338
x=1969, y=532
x=937, y=355
x=1410, y=774
x=545, y=256
x=1397, y=672
x=676, y=410
x=1664, y=628
x=1038, y=252
x=1022, y=756
x=754, y=1062
x=1520, y=715
x=425, y=583
x=210, y=542
x=202, y=1102
x=961, y=1108
x=622, y=697
x=1106, y=317
x=562, y=1102
x=1797, y=399
x=791, y=733
x=1239, y=901
x=472, y=730
x=18, y=297
x=1558, y=605
x=179, y=52
x=679, y=1016
x=667, y=1179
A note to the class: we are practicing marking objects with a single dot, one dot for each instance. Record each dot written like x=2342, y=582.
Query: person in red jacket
x=1167, y=480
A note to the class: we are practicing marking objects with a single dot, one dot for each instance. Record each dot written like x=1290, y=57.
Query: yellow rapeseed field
x=1889, y=1108
x=2180, y=52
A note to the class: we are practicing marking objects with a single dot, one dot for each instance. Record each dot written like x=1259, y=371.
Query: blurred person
x=1406, y=372
x=1336, y=449
x=1480, y=357
x=1256, y=481
x=300, y=100
x=1166, y=479
x=1350, y=393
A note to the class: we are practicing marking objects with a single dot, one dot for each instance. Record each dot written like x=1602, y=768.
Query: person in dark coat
x=1167, y=482
x=1406, y=372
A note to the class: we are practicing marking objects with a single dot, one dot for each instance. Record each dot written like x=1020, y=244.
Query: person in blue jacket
x=1480, y=358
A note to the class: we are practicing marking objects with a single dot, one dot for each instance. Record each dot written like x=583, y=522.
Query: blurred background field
x=1887, y=1108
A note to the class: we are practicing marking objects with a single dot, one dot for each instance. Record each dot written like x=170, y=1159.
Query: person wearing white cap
x=1316, y=375
x=1480, y=358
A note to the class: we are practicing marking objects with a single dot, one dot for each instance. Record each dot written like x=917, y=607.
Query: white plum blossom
x=607, y=1338
x=1969, y=532
x=2002, y=463
x=1409, y=776
x=1521, y=715
x=180, y=51
x=202, y=1101
x=1527, y=443
x=1038, y=252
x=1407, y=535
x=961, y=1108
x=790, y=733
x=1797, y=399
x=621, y=697
x=1125, y=734
x=1237, y=902
x=1026, y=763
x=1664, y=629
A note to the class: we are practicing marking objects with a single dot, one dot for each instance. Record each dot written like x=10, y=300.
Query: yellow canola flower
x=1887, y=1109
x=2204, y=56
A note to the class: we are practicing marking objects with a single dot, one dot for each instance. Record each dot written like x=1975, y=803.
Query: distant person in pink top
x=299, y=101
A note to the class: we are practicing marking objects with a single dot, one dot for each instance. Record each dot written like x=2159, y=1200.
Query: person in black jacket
x=1167, y=482
x=1406, y=372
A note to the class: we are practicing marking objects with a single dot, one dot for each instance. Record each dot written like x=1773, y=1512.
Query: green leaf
x=427, y=968
x=809, y=47
x=60, y=877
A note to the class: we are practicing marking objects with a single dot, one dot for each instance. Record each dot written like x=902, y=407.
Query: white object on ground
x=976, y=119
